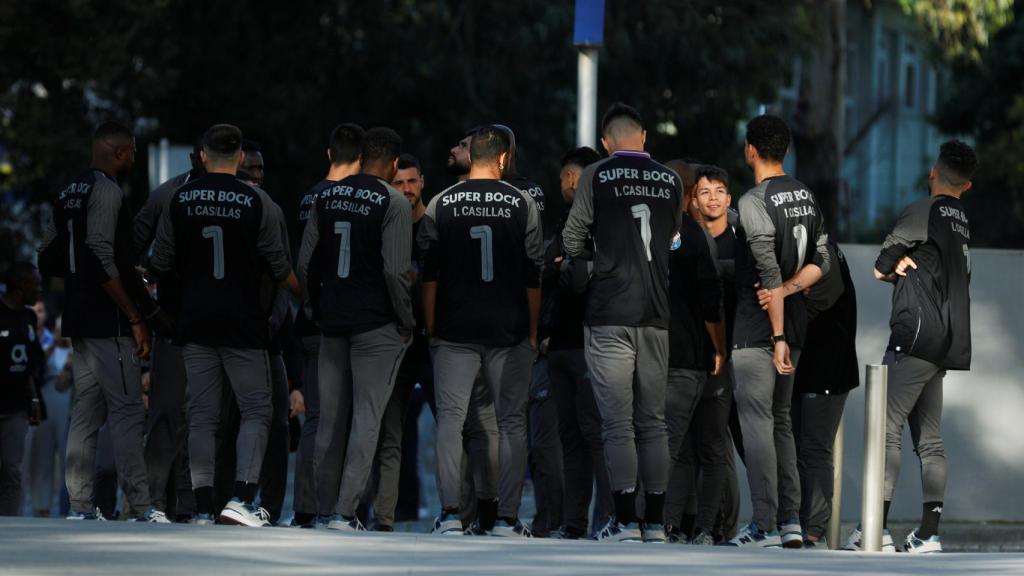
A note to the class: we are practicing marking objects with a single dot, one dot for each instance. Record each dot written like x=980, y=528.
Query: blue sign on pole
x=589, y=28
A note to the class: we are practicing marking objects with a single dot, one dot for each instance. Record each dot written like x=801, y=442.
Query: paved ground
x=37, y=546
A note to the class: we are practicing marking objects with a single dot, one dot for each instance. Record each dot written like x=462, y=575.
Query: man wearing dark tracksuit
x=481, y=248
x=354, y=263
x=718, y=495
x=21, y=364
x=828, y=371
x=630, y=207
x=928, y=258
x=166, y=423
x=223, y=239
x=344, y=151
x=390, y=462
x=783, y=251
x=89, y=244
x=579, y=423
x=697, y=350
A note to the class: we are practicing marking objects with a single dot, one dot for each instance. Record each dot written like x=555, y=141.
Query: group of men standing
x=668, y=330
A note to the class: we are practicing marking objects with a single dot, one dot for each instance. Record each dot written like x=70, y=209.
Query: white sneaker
x=152, y=516
x=653, y=533
x=753, y=537
x=915, y=545
x=703, y=538
x=338, y=522
x=94, y=515
x=242, y=514
x=791, y=534
x=203, y=519
x=856, y=544
x=506, y=530
x=447, y=524
x=615, y=532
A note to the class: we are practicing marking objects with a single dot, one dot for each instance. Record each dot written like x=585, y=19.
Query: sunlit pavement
x=37, y=546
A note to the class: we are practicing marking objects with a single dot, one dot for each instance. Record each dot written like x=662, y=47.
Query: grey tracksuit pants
x=506, y=371
x=108, y=388
x=357, y=374
x=388, y=461
x=915, y=397
x=274, y=471
x=248, y=372
x=815, y=423
x=166, y=425
x=628, y=368
x=763, y=399
x=579, y=427
x=304, y=496
x=682, y=393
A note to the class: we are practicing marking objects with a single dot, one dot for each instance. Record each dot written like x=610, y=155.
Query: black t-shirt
x=90, y=241
x=629, y=205
x=696, y=292
x=353, y=295
x=20, y=358
x=829, y=363
x=565, y=284
x=931, y=309
x=225, y=238
x=304, y=326
x=480, y=240
x=726, y=246
x=535, y=191
x=780, y=231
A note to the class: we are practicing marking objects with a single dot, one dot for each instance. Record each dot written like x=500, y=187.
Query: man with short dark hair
x=626, y=210
x=390, y=462
x=355, y=255
x=166, y=423
x=21, y=361
x=697, y=351
x=458, y=157
x=223, y=238
x=718, y=494
x=89, y=244
x=344, y=152
x=579, y=422
x=252, y=166
x=928, y=259
x=481, y=251
x=782, y=250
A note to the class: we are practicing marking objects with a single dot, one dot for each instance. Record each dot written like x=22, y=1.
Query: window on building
x=910, y=87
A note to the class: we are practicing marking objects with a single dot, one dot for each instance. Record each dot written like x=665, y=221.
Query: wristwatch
x=778, y=338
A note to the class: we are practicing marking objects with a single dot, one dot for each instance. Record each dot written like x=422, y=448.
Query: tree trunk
x=821, y=110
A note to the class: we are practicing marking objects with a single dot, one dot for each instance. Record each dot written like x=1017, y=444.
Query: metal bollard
x=836, y=521
x=876, y=377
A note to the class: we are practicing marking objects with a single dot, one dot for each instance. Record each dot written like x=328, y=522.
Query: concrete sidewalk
x=39, y=546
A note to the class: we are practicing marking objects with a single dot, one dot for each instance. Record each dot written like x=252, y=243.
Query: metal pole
x=165, y=157
x=836, y=521
x=586, y=105
x=874, y=456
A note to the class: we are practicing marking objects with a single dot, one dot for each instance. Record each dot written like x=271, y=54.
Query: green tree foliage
x=286, y=73
x=960, y=29
x=986, y=102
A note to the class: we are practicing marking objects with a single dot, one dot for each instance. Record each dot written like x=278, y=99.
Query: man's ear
x=241, y=158
x=202, y=157
x=329, y=159
x=604, y=144
x=643, y=137
x=967, y=186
